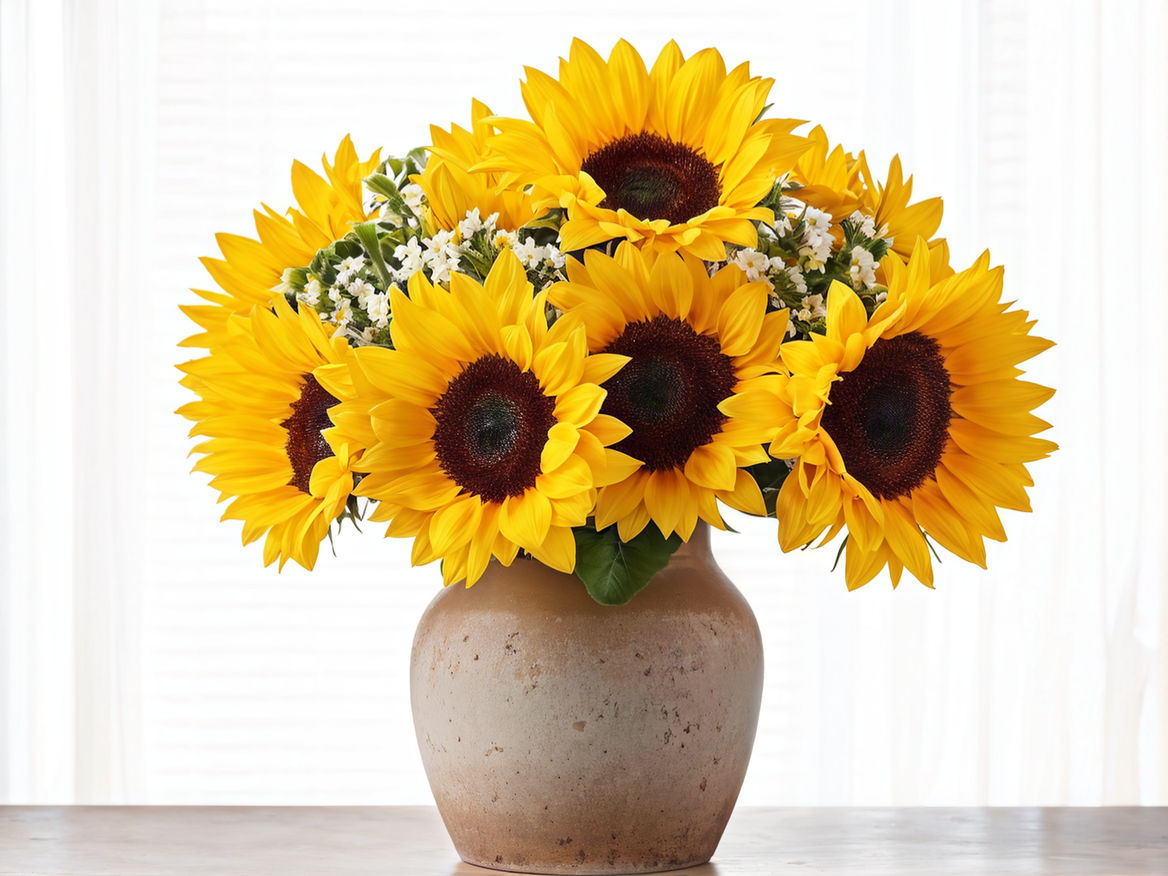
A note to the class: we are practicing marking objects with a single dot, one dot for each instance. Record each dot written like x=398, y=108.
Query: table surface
x=410, y=840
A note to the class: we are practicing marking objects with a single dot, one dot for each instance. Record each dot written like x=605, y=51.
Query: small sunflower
x=840, y=183
x=452, y=190
x=262, y=414
x=913, y=419
x=252, y=268
x=483, y=425
x=673, y=155
x=888, y=203
x=829, y=179
x=702, y=352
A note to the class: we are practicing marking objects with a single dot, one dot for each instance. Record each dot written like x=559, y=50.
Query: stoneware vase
x=564, y=736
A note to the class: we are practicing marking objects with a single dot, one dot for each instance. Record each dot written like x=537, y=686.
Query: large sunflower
x=483, y=426
x=920, y=421
x=262, y=414
x=251, y=268
x=703, y=351
x=673, y=155
x=452, y=190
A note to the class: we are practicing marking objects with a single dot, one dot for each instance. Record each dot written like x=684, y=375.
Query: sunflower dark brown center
x=306, y=446
x=654, y=178
x=492, y=424
x=669, y=391
x=890, y=416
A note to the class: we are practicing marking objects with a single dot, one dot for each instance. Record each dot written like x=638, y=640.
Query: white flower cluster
x=816, y=242
x=813, y=308
x=412, y=194
x=867, y=227
x=442, y=252
x=534, y=257
x=474, y=223
x=810, y=308
x=862, y=272
x=804, y=251
x=441, y=255
x=798, y=281
x=757, y=266
x=786, y=220
x=862, y=269
x=351, y=286
x=311, y=293
x=410, y=255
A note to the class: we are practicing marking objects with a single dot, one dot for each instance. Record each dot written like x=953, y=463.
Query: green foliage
x=769, y=476
x=783, y=244
x=366, y=233
x=774, y=200
x=838, y=554
x=479, y=253
x=324, y=264
x=391, y=176
x=552, y=219
x=615, y=571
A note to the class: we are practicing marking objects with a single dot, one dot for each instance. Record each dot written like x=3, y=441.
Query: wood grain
x=410, y=841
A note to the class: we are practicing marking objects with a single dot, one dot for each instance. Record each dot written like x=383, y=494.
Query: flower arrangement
x=573, y=336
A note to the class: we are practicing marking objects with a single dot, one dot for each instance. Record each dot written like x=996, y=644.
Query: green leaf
x=348, y=248
x=615, y=571
x=367, y=234
x=416, y=159
x=838, y=554
x=295, y=277
x=553, y=218
x=774, y=200
x=933, y=549
x=380, y=184
x=769, y=476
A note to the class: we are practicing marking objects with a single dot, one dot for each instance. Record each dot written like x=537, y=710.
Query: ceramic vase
x=564, y=736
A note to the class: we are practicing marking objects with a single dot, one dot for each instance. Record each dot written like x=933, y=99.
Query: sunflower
x=840, y=184
x=262, y=413
x=888, y=203
x=703, y=350
x=483, y=426
x=452, y=190
x=829, y=179
x=673, y=155
x=252, y=268
x=914, y=420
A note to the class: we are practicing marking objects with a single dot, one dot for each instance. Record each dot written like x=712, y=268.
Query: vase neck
x=698, y=546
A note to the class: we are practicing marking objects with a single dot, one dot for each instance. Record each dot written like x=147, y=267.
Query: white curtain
x=77, y=82
x=145, y=656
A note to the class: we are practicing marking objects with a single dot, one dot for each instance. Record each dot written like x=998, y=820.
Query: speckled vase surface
x=564, y=736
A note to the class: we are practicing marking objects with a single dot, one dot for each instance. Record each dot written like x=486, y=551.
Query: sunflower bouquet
x=573, y=336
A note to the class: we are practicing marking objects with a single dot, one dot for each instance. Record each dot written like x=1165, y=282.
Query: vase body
x=564, y=736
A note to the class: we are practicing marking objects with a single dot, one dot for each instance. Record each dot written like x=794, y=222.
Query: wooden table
x=410, y=841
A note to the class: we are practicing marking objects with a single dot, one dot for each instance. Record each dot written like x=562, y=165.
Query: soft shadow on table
x=463, y=869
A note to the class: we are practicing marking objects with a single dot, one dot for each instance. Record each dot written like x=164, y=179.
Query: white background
x=145, y=656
